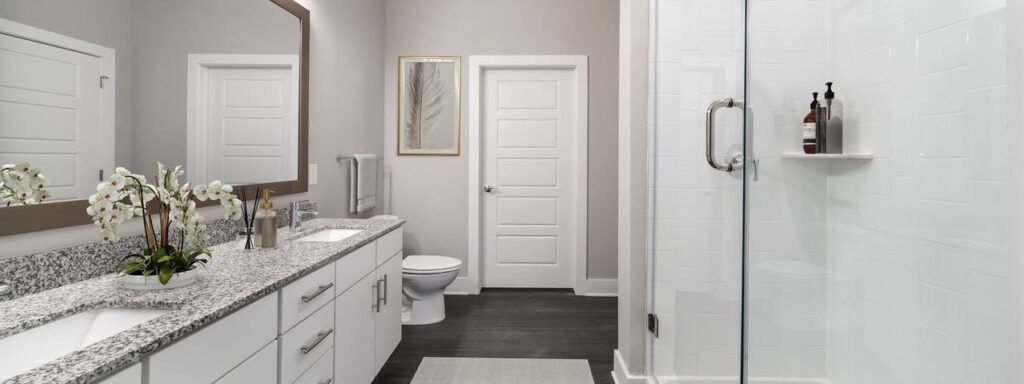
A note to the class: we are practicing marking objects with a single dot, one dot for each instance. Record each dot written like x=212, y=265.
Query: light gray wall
x=78, y=19
x=165, y=33
x=430, y=192
x=346, y=113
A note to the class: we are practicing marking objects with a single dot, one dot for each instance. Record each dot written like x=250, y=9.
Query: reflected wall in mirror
x=87, y=85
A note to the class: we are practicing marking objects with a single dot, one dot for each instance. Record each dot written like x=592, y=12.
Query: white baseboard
x=734, y=379
x=601, y=287
x=463, y=285
x=621, y=375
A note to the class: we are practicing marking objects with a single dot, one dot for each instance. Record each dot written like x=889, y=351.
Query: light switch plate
x=312, y=174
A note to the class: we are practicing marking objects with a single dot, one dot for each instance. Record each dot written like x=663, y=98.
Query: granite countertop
x=234, y=278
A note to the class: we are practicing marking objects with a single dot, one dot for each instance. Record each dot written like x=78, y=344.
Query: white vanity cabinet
x=369, y=313
x=338, y=324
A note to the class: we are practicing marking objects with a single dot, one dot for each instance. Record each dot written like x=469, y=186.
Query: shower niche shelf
x=829, y=156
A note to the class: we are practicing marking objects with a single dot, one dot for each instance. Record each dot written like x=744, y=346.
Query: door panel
x=528, y=157
x=697, y=213
x=251, y=125
x=354, y=340
x=50, y=114
x=388, y=323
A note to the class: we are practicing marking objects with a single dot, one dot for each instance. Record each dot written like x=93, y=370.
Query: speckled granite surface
x=233, y=279
x=25, y=275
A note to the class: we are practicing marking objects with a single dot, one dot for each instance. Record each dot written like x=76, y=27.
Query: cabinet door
x=389, y=318
x=260, y=368
x=353, y=341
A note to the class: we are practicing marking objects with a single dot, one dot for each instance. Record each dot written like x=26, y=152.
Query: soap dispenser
x=265, y=227
x=810, y=136
x=833, y=122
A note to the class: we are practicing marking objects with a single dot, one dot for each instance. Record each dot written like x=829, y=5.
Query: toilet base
x=428, y=310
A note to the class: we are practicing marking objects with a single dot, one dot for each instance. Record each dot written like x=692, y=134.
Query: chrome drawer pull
x=319, y=291
x=319, y=339
x=326, y=381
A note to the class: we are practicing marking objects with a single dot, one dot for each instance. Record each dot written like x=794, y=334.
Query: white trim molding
x=199, y=66
x=478, y=64
x=107, y=81
x=621, y=375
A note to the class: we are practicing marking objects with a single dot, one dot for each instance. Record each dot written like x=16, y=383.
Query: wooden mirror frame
x=31, y=218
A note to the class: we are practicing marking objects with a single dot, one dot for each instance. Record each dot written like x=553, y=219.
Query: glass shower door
x=697, y=190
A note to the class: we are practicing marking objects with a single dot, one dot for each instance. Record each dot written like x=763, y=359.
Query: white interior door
x=244, y=118
x=50, y=100
x=528, y=125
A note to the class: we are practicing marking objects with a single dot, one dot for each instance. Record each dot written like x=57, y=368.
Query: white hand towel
x=363, y=196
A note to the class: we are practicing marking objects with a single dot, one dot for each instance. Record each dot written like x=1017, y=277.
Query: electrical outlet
x=312, y=174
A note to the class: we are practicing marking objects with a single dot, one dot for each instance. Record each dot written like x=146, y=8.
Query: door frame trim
x=478, y=64
x=196, y=111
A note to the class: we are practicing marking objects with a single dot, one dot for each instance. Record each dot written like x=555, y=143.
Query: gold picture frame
x=429, y=106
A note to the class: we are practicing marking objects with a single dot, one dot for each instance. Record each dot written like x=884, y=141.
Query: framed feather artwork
x=429, y=108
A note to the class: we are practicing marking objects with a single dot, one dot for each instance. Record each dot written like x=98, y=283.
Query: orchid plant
x=20, y=184
x=125, y=195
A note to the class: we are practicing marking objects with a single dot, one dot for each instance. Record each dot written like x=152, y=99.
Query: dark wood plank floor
x=512, y=323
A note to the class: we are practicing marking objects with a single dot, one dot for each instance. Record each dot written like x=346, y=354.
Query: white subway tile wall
x=884, y=271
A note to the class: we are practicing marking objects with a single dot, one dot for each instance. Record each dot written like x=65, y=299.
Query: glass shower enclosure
x=886, y=263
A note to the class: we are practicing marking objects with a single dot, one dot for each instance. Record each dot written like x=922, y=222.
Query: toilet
x=424, y=279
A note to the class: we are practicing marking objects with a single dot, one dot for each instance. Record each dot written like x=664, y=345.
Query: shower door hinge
x=652, y=323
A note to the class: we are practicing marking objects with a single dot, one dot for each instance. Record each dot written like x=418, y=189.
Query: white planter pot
x=146, y=283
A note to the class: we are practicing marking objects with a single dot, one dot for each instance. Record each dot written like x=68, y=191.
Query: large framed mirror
x=219, y=87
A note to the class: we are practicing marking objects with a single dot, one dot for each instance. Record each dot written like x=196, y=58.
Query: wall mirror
x=219, y=87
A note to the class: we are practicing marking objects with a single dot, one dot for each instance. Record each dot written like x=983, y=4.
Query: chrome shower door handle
x=735, y=163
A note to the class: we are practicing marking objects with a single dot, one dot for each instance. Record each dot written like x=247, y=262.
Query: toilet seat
x=428, y=264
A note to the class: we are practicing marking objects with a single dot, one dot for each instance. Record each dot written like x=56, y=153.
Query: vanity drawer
x=261, y=368
x=322, y=371
x=352, y=267
x=130, y=375
x=388, y=245
x=308, y=341
x=213, y=351
x=304, y=296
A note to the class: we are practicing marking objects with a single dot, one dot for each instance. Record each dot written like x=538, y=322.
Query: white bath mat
x=445, y=370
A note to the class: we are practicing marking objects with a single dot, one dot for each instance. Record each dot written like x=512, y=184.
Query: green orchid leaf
x=166, y=272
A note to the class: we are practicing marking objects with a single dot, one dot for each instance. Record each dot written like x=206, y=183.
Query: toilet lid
x=426, y=263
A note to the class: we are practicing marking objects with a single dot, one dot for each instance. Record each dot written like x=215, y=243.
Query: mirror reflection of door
x=51, y=108
x=242, y=123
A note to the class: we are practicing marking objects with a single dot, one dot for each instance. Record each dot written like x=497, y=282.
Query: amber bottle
x=810, y=130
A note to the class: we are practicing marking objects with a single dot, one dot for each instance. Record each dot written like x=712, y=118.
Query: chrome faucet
x=295, y=215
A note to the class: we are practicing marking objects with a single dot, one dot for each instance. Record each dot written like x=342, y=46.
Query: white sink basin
x=37, y=346
x=331, y=235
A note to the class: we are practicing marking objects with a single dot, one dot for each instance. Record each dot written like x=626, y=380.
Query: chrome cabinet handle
x=736, y=163
x=376, y=296
x=488, y=188
x=319, y=339
x=385, y=289
x=319, y=291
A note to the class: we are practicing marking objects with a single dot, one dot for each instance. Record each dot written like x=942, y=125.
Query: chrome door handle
x=385, y=289
x=377, y=293
x=488, y=188
x=736, y=163
x=319, y=339
x=319, y=291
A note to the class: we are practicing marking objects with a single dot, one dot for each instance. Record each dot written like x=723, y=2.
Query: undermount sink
x=331, y=235
x=37, y=346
